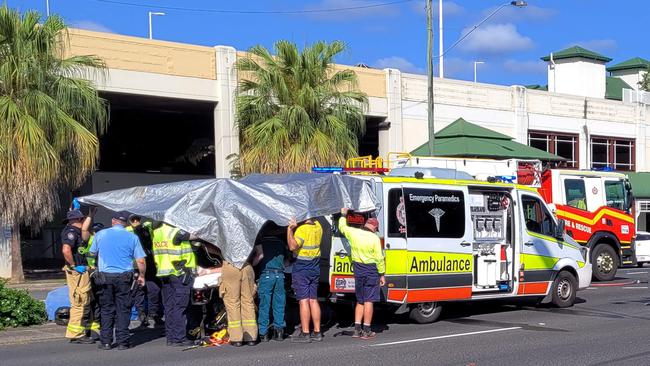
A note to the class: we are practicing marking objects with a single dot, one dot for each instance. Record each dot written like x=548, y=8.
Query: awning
x=465, y=139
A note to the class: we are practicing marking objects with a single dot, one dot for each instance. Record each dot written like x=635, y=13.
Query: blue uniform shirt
x=116, y=248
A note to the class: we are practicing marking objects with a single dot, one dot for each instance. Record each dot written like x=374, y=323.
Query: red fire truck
x=596, y=205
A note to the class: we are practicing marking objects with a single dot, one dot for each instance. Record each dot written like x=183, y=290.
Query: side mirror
x=559, y=230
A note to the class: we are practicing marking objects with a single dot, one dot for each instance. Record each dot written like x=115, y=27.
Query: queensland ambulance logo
x=437, y=214
x=400, y=213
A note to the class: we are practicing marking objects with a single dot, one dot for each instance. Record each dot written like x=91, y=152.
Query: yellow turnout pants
x=79, y=292
x=237, y=289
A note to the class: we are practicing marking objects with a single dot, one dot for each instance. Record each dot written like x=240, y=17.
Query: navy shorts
x=305, y=284
x=366, y=282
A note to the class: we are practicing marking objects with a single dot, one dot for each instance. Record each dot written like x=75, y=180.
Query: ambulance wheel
x=605, y=262
x=564, y=290
x=426, y=312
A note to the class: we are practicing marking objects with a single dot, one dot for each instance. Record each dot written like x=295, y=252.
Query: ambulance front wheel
x=426, y=312
x=564, y=290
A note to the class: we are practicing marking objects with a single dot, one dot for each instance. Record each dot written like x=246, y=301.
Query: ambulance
x=448, y=237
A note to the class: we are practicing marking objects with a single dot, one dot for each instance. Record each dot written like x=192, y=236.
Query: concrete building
x=182, y=98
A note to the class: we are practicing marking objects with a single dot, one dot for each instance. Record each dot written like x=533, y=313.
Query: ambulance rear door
x=394, y=221
x=439, y=261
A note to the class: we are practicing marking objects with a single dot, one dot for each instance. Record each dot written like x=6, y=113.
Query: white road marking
x=641, y=287
x=445, y=336
x=592, y=288
x=644, y=272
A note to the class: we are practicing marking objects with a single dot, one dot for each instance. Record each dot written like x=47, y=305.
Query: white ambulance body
x=463, y=240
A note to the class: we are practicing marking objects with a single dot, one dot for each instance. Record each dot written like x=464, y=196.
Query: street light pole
x=476, y=63
x=151, y=13
x=430, y=76
x=441, y=63
x=47, y=7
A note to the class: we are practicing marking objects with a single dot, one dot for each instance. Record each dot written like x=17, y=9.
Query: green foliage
x=50, y=116
x=295, y=110
x=644, y=84
x=19, y=309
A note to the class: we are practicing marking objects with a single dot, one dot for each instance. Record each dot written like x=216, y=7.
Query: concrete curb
x=37, y=333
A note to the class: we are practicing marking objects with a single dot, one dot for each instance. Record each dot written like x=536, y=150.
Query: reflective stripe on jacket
x=165, y=252
x=365, y=245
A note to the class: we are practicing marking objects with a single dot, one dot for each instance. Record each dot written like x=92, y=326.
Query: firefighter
x=368, y=267
x=75, y=233
x=172, y=250
x=93, y=324
x=237, y=289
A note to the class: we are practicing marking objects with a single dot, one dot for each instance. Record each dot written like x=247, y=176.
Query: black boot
x=265, y=337
x=278, y=334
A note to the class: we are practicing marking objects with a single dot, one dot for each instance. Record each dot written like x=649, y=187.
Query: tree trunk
x=16, y=255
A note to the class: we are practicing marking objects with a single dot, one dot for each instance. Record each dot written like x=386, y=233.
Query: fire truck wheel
x=640, y=264
x=426, y=312
x=564, y=289
x=605, y=262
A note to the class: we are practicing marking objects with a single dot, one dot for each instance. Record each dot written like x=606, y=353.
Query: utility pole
x=441, y=73
x=47, y=7
x=430, y=75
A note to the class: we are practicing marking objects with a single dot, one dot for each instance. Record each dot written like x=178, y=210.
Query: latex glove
x=75, y=204
x=80, y=269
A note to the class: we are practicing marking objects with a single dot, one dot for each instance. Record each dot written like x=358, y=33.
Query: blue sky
x=510, y=43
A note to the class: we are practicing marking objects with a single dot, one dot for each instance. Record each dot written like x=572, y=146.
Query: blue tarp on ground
x=59, y=298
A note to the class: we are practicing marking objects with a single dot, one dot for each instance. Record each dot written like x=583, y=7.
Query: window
x=434, y=213
x=396, y=214
x=615, y=194
x=617, y=154
x=575, y=193
x=538, y=219
x=564, y=145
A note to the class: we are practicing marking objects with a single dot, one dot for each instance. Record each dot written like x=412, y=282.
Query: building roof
x=614, y=88
x=465, y=139
x=577, y=51
x=537, y=87
x=633, y=63
x=640, y=184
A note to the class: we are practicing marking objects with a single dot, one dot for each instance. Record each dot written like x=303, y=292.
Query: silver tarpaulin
x=229, y=213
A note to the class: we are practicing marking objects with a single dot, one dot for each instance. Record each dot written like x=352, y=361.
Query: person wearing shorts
x=368, y=266
x=304, y=240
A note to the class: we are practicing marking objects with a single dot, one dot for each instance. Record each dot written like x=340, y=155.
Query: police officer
x=171, y=248
x=77, y=277
x=368, y=267
x=151, y=290
x=117, y=249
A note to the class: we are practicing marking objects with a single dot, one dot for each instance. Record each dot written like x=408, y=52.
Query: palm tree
x=295, y=111
x=50, y=116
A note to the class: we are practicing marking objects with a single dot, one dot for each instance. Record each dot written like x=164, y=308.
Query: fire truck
x=595, y=205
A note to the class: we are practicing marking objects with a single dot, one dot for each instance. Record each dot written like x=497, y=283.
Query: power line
x=304, y=11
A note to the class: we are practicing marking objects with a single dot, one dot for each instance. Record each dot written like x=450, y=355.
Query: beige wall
x=145, y=55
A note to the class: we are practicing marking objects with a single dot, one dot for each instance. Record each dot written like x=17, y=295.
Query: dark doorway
x=369, y=143
x=158, y=135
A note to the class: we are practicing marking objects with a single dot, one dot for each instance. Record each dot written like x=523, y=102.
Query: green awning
x=640, y=184
x=464, y=139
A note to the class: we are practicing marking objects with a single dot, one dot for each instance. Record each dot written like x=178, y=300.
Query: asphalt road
x=609, y=326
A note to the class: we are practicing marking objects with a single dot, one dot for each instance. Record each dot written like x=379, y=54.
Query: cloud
x=379, y=11
x=400, y=63
x=449, y=8
x=598, y=45
x=457, y=67
x=495, y=39
x=525, y=67
x=91, y=26
x=513, y=14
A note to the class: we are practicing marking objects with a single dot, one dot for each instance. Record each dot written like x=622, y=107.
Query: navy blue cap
x=73, y=215
x=121, y=216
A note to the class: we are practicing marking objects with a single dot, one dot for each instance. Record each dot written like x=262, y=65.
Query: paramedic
x=368, y=266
